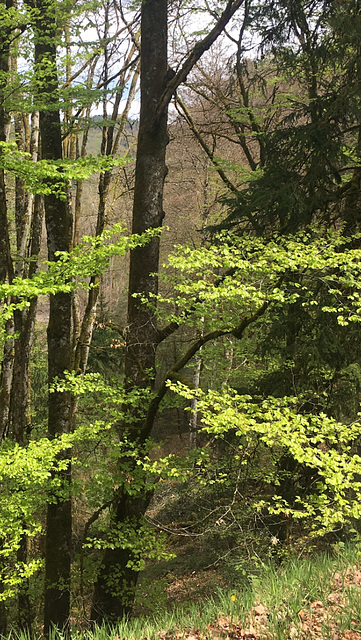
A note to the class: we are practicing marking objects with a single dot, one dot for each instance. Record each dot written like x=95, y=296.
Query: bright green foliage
x=28, y=474
x=238, y=274
x=26, y=481
x=316, y=441
x=288, y=306
x=71, y=270
x=108, y=459
x=220, y=285
x=230, y=281
x=29, y=479
x=45, y=176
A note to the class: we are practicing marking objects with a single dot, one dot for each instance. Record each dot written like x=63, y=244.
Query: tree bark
x=6, y=267
x=113, y=601
x=5, y=262
x=20, y=394
x=58, y=228
x=113, y=596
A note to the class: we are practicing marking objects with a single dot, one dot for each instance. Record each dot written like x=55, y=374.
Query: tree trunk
x=29, y=215
x=115, y=585
x=58, y=227
x=112, y=601
x=6, y=268
x=21, y=420
x=5, y=262
x=193, y=420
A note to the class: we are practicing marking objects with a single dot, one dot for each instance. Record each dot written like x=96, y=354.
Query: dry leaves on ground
x=316, y=621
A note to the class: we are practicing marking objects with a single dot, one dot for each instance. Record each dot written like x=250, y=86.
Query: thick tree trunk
x=58, y=227
x=115, y=586
x=58, y=532
x=113, y=599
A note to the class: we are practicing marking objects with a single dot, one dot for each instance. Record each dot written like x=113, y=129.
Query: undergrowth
x=313, y=597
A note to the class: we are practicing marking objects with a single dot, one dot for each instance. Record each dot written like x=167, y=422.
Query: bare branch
x=196, y=53
x=210, y=153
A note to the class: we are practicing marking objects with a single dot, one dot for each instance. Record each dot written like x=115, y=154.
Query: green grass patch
x=294, y=599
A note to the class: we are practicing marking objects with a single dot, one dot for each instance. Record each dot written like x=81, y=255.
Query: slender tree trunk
x=6, y=267
x=109, y=147
x=20, y=393
x=193, y=420
x=5, y=262
x=58, y=227
x=28, y=218
x=5, y=380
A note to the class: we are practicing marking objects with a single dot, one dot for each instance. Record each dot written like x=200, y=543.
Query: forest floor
x=316, y=620
x=318, y=598
x=306, y=598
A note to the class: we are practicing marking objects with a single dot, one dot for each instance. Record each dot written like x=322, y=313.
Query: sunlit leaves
x=237, y=274
x=315, y=440
x=45, y=176
x=71, y=270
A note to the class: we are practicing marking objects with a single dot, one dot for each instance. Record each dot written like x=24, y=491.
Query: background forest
x=180, y=276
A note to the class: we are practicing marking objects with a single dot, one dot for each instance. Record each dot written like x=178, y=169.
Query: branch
x=167, y=331
x=115, y=327
x=172, y=374
x=76, y=74
x=188, y=118
x=209, y=152
x=196, y=53
x=105, y=83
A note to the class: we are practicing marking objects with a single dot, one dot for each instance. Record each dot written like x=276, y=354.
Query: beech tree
x=45, y=23
x=157, y=84
x=294, y=113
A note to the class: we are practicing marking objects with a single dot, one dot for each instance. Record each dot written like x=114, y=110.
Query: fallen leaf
x=351, y=635
x=223, y=622
x=259, y=610
x=302, y=614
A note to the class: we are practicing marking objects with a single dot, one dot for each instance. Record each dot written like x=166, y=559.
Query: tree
x=143, y=336
x=297, y=105
x=59, y=333
x=4, y=243
x=69, y=335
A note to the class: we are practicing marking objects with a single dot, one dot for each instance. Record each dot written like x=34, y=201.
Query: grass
x=315, y=597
